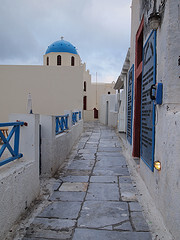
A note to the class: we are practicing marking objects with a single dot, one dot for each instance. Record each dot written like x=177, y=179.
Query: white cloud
x=100, y=29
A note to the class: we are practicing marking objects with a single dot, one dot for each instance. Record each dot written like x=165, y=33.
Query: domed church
x=61, y=53
x=61, y=83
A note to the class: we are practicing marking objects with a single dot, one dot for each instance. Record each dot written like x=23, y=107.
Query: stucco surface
x=164, y=186
x=53, y=89
x=19, y=180
x=55, y=148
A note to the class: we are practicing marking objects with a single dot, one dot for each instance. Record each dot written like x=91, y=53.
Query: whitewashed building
x=61, y=83
x=153, y=103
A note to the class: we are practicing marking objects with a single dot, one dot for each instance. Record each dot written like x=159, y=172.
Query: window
x=72, y=61
x=85, y=86
x=58, y=60
x=85, y=103
x=47, y=61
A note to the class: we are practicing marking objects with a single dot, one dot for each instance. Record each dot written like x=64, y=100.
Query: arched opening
x=72, y=61
x=84, y=86
x=59, y=60
x=47, y=61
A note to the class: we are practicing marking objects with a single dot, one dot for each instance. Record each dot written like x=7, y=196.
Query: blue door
x=147, y=139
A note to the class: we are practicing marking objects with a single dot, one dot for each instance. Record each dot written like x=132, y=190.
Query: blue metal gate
x=147, y=105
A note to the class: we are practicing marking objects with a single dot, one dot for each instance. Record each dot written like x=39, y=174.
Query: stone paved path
x=95, y=198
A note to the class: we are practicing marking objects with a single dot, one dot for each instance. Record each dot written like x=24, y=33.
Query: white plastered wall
x=65, y=59
x=95, y=91
x=108, y=115
x=55, y=148
x=164, y=186
x=19, y=180
x=53, y=89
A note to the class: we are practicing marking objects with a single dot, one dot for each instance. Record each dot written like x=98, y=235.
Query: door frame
x=137, y=90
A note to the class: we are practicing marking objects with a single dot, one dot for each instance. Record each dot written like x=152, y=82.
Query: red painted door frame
x=137, y=90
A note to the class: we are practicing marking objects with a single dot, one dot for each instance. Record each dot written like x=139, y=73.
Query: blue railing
x=61, y=123
x=74, y=117
x=6, y=141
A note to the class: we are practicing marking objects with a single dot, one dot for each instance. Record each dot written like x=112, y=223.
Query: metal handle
x=151, y=91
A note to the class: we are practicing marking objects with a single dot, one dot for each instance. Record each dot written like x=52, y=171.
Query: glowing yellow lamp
x=157, y=165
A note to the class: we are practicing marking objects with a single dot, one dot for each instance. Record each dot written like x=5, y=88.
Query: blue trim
x=6, y=142
x=11, y=124
x=10, y=159
x=154, y=105
x=153, y=115
x=132, y=92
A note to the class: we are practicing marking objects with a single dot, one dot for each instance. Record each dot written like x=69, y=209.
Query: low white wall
x=55, y=148
x=108, y=103
x=113, y=119
x=88, y=115
x=19, y=180
x=164, y=186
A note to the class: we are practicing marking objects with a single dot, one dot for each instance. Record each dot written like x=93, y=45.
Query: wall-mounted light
x=157, y=165
x=154, y=18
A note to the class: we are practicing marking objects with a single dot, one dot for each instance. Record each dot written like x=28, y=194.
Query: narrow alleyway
x=94, y=198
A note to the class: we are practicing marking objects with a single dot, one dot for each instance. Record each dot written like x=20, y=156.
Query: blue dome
x=61, y=46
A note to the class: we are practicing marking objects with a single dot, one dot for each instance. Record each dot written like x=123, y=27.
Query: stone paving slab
x=75, y=172
x=103, y=191
x=89, y=234
x=85, y=156
x=99, y=214
x=49, y=234
x=53, y=224
x=125, y=226
x=110, y=171
x=111, y=154
x=88, y=150
x=108, y=144
x=73, y=187
x=103, y=179
x=139, y=222
x=128, y=192
x=67, y=196
x=81, y=164
x=93, y=144
x=121, y=160
x=57, y=184
x=109, y=149
x=81, y=145
x=32, y=238
x=125, y=179
x=135, y=207
x=111, y=162
x=75, y=179
x=67, y=210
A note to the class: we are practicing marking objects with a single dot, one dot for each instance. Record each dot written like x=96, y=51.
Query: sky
x=99, y=29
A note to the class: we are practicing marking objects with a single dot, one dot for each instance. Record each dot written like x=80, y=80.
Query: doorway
x=107, y=112
x=85, y=103
x=137, y=91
